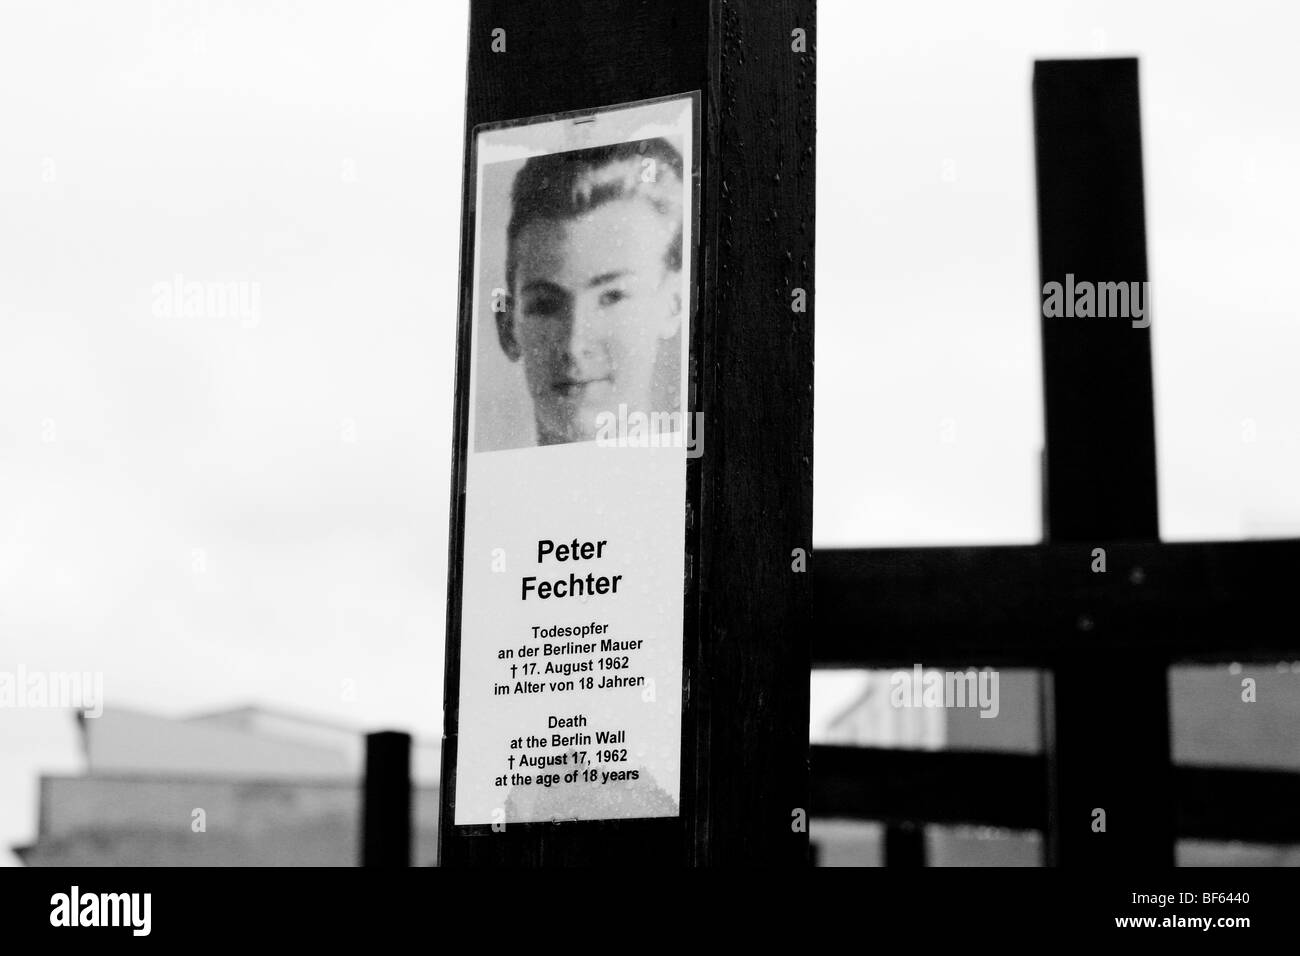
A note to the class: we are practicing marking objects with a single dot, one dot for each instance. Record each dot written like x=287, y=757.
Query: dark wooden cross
x=744, y=763
x=1104, y=640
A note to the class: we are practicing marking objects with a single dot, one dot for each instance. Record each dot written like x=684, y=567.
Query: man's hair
x=564, y=185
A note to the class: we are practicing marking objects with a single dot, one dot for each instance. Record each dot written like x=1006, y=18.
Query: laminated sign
x=566, y=629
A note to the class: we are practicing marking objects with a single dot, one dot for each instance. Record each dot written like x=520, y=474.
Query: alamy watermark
x=933, y=688
x=77, y=690
x=129, y=910
x=624, y=429
x=192, y=299
x=1099, y=300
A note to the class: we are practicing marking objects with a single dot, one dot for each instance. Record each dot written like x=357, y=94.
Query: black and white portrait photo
x=581, y=308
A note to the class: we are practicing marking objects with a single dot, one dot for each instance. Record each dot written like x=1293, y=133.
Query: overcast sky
x=214, y=510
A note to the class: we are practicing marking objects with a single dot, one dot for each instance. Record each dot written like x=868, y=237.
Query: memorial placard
x=571, y=572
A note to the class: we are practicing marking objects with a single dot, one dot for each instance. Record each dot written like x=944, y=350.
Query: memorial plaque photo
x=573, y=458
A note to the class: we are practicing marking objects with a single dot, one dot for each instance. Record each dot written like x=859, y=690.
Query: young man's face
x=592, y=301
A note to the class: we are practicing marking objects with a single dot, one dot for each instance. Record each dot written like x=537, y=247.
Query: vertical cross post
x=386, y=800
x=752, y=653
x=748, y=527
x=1106, y=720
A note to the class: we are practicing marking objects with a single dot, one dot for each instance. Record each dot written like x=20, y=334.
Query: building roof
x=246, y=742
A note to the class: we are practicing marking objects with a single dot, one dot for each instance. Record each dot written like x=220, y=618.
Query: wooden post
x=744, y=780
x=904, y=845
x=386, y=800
x=1106, y=717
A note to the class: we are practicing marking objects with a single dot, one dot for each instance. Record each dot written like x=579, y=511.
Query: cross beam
x=1039, y=605
x=1009, y=790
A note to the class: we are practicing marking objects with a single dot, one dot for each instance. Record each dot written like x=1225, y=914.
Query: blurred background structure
x=245, y=787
